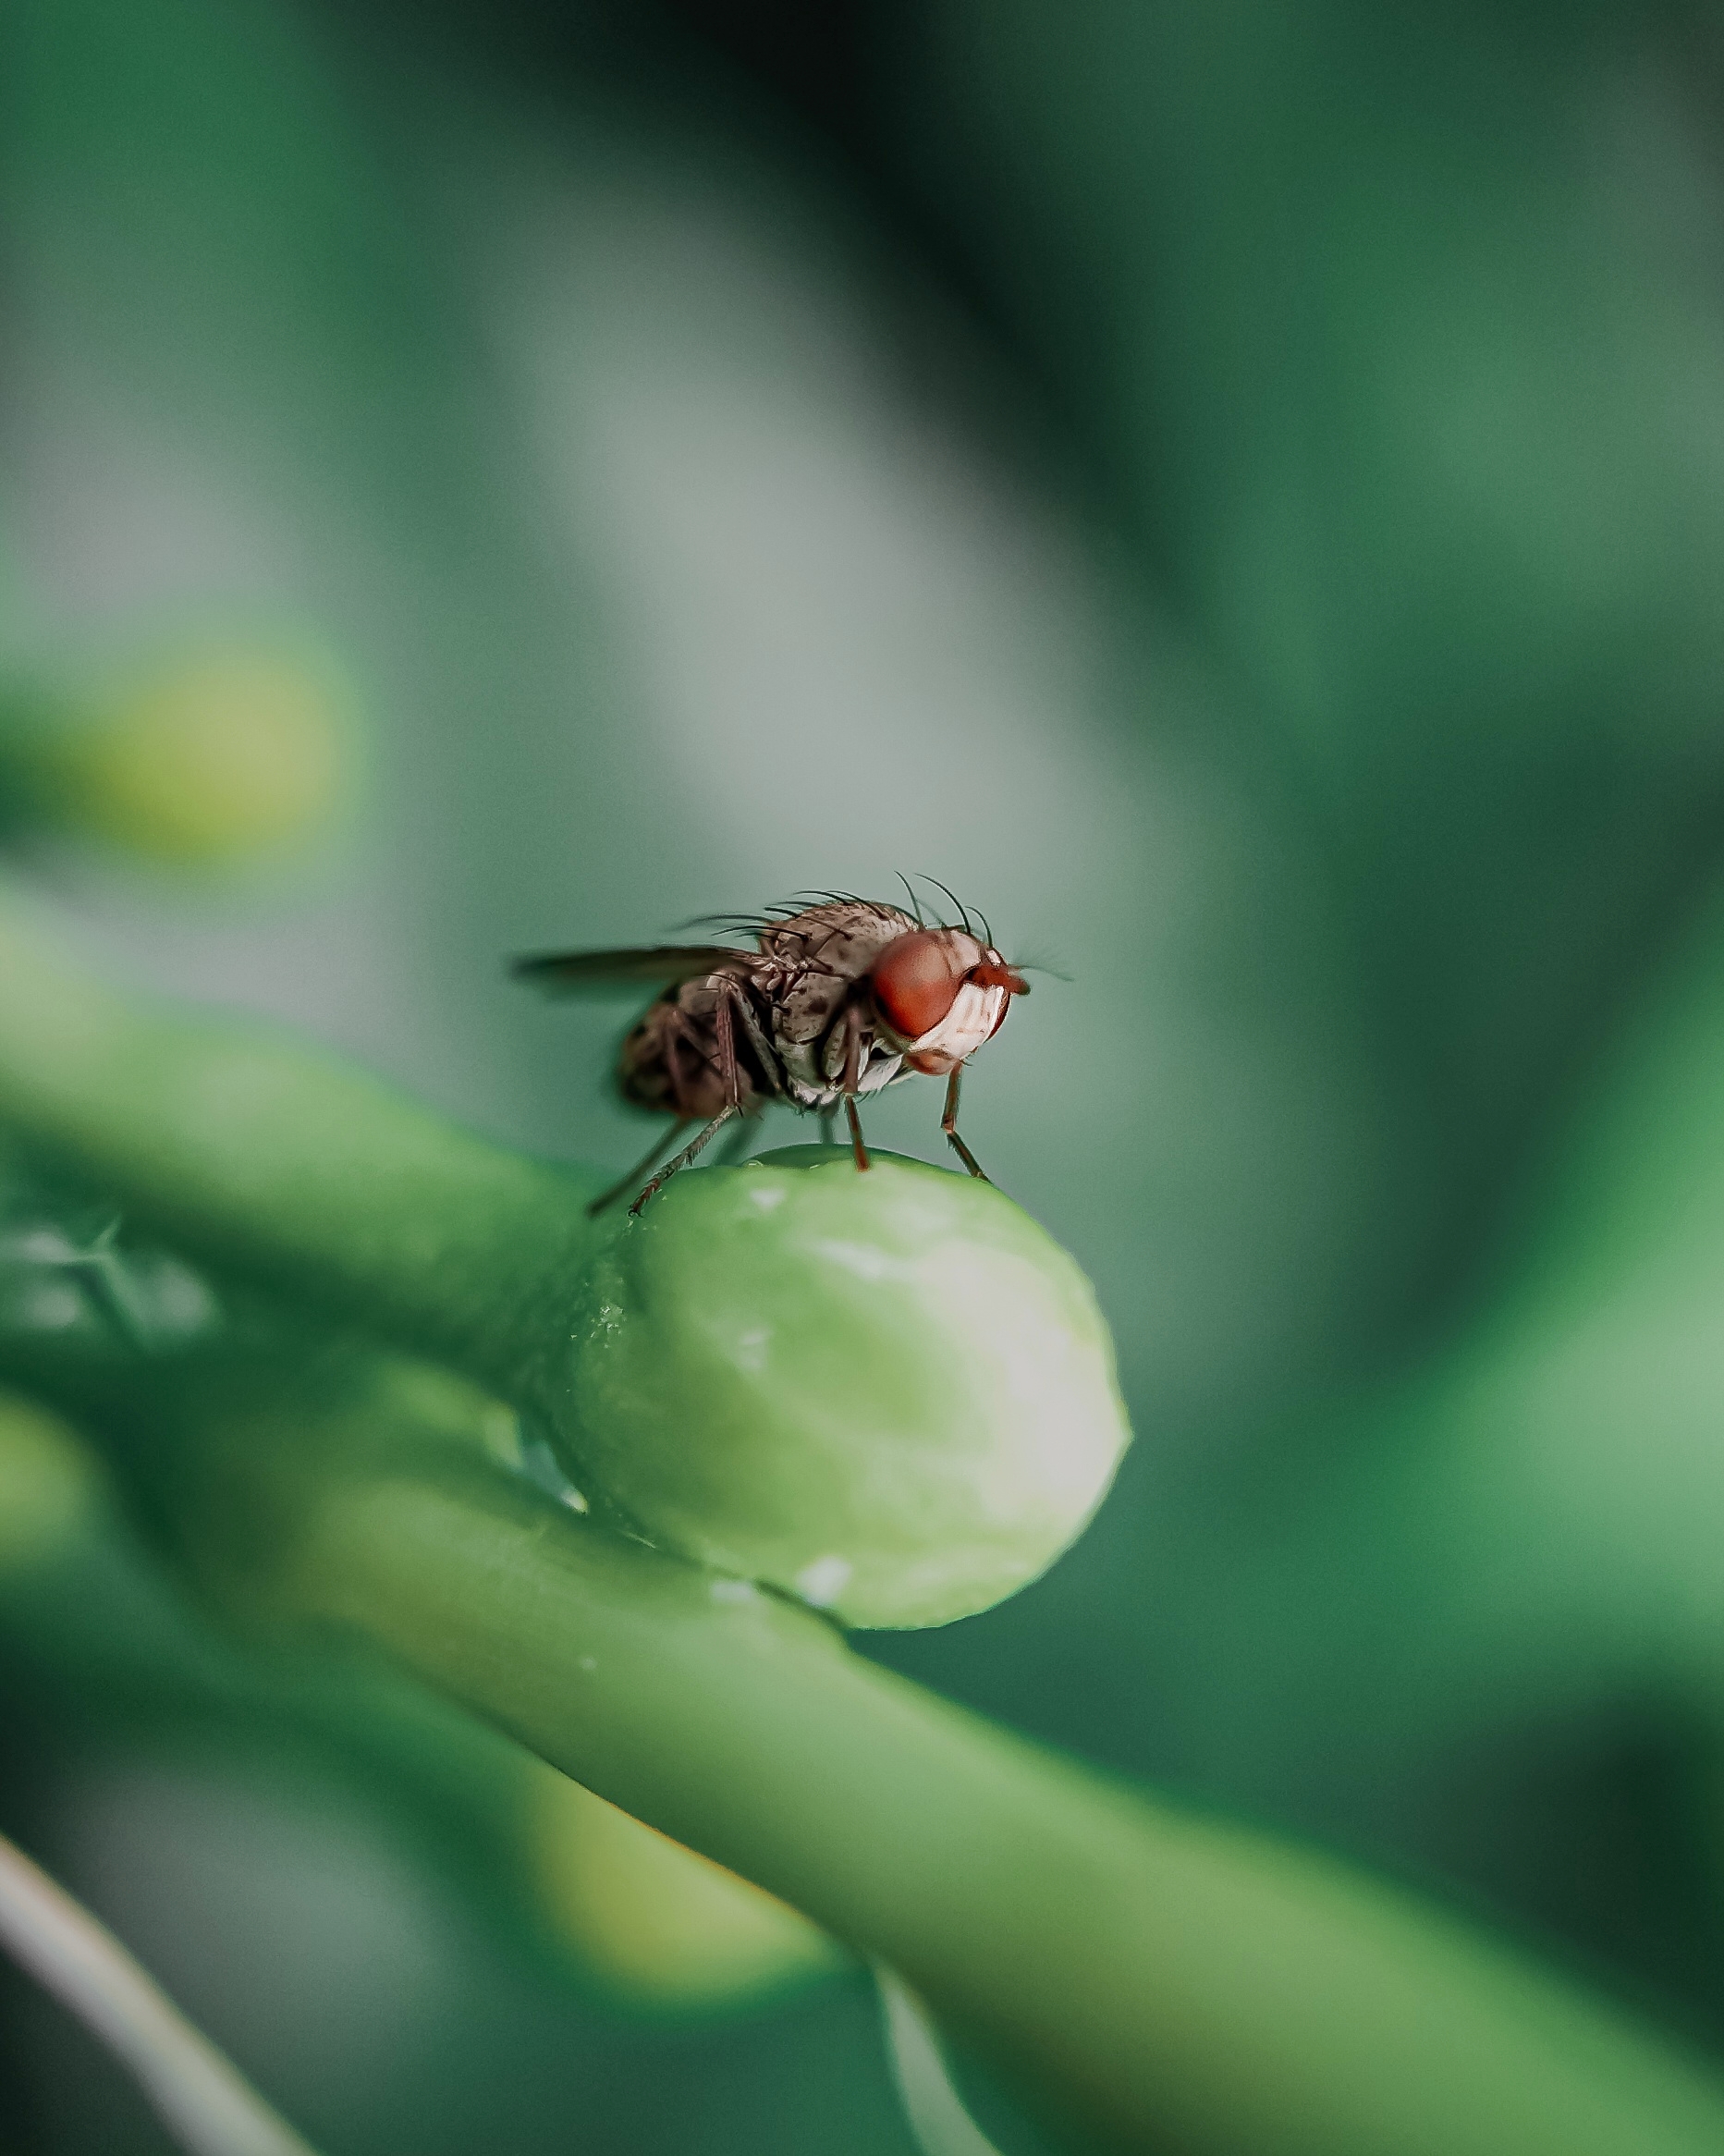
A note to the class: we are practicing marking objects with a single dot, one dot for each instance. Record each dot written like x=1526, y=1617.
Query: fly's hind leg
x=628, y=1183
x=852, y=1078
x=724, y=1034
x=733, y=1004
x=948, y=1123
x=691, y=1151
x=731, y=1076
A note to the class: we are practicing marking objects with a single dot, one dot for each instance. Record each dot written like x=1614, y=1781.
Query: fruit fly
x=840, y=997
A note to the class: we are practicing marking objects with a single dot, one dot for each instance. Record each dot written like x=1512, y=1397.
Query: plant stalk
x=1150, y=1977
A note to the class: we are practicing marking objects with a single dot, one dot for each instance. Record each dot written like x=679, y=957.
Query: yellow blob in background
x=214, y=756
x=660, y=1924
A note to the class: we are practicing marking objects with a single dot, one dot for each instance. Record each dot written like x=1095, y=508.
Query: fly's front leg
x=858, y=1147
x=948, y=1123
x=728, y=1113
x=664, y=1138
x=853, y=1079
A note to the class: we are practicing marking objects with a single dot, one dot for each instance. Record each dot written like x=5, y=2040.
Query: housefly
x=840, y=997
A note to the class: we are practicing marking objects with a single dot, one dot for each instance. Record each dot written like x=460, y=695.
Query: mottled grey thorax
x=813, y=964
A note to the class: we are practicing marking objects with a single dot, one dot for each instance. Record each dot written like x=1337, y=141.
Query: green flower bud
x=891, y=1394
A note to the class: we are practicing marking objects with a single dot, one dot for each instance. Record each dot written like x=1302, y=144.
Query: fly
x=839, y=998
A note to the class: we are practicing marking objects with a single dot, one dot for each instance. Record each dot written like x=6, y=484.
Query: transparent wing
x=594, y=973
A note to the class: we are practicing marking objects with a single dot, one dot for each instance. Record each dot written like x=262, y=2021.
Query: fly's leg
x=664, y=1138
x=728, y=1113
x=852, y=1078
x=948, y=1123
x=725, y=1033
x=857, y=1145
x=771, y=1070
x=676, y=1039
x=828, y=1126
x=680, y=1036
x=733, y=1004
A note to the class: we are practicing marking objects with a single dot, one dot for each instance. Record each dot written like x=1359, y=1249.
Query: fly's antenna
x=986, y=928
x=1042, y=964
x=915, y=903
x=963, y=911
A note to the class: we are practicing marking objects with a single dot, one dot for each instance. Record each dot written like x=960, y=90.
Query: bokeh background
x=1238, y=492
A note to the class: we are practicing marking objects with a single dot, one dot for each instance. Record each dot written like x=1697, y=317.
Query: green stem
x=308, y=1178
x=199, y=2095
x=1162, y=1980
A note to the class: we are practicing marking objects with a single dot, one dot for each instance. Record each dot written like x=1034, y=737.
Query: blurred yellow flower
x=215, y=756
x=48, y=1483
x=665, y=1927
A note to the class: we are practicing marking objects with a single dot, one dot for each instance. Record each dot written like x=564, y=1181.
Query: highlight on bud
x=218, y=753
x=891, y=1395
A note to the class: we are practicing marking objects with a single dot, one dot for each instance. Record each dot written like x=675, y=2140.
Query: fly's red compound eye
x=916, y=980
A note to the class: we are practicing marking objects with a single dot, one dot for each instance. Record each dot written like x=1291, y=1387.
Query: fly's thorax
x=806, y=1008
x=808, y=974
x=839, y=941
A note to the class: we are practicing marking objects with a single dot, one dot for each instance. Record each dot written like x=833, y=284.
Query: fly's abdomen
x=671, y=1059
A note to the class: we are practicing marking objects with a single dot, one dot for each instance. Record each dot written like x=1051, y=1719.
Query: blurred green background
x=1238, y=492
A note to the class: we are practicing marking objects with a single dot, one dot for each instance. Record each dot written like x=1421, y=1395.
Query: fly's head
x=939, y=993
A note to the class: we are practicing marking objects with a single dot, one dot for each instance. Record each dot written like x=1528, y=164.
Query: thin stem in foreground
x=200, y=2096
x=932, y=2104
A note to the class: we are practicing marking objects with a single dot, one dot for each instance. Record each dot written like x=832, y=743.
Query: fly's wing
x=598, y=973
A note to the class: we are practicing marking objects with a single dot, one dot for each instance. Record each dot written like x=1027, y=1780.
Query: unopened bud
x=890, y=1394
